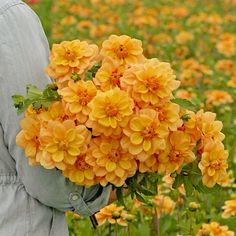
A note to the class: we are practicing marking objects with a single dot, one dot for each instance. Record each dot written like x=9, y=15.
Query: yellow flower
x=72, y=53
x=110, y=162
x=77, y=96
x=184, y=37
x=178, y=151
x=213, y=163
x=81, y=172
x=227, y=44
x=164, y=205
x=218, y=97
x=109, y=75
x=144, y=135
x=28, y=138
x=150, y=82
x=214, y=229
x=122, y=49
x=169, y=115
x=113, y=214
x=111, y=108
x=229, y=208
x=63, y=142
x=71, y=56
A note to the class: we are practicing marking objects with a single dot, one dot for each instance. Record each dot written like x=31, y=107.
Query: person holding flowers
x=33, y=200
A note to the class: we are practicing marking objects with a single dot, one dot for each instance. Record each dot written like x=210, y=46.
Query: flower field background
x=198, y=38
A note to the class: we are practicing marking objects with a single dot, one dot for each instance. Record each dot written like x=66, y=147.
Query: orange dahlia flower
x=77, y=96
x=229, y=208
x=164, y=205
x=111, y=108
x=214, y=229
x=144, y=135
x=63, y=142
x=81, y=172
x=178, y=151
x=28, y=138
x=113, y=214
x=109, y=75
x=150, y=82
x=218, y=97
x=213, y=163
x=110, y=162
x=71, y=56
x=122, y=49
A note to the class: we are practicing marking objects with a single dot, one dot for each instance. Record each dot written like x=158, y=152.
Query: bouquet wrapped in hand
x=110, y=117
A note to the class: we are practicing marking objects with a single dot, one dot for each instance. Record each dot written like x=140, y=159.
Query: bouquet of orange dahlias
x=110, y=117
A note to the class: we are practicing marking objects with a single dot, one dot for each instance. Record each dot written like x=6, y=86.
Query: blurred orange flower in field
x=77, y=96
x=109, y=75
x=150, y=82
x=183, y=37
x=227, y=44
x=144, y=135
x=226, y=66
x=229, y=208
x=164, y=205
x=111, y=108
x=218, y=97
x=113, y=214
x=81, y=172
x=214, y=229
x=213, y=163
x=123, y=49
x=110, y=162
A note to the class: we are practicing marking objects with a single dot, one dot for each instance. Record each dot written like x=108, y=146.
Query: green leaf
x=139, y=197
x=178, y=181
x=145, y=191
x=184, y=103
x=204, y=189
x=119, y=195
x=189, y=188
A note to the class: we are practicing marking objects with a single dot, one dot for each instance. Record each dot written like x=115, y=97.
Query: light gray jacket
x=32, y=199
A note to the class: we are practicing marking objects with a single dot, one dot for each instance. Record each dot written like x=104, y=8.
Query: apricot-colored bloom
x=110, y=162
x=169, y=115
x=81, y=172
x=71, y=56
x=77, y=96
x=111, y=108
x=113, y=214
x=213, y=163
x=63, y=142
x=178, y=151
x=226, y=66
x=109, y=75
x=227, y=44
x=164, y=205
x=56, y=111
x=144, y=135
x=28, y=138
x=214, y=229
x=232, y=81
x=229, y=208
x=218, y=97
x=122, y=49
x=203, y=125
x=183, y=37
x=150, y=82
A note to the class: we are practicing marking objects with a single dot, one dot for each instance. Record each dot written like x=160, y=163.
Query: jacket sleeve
x=23, y=57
